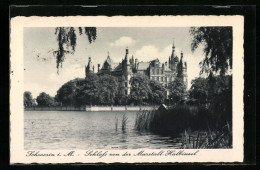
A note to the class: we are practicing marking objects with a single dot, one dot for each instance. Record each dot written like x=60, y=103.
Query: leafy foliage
x=217, y=42
x=27, y=99
x=220, y=98
x=215, y=93
x=177, y=90
x=158, y=92
x=66, y=36
x=90, y=88
x=108, y=86
x=140, y=88
x=66, y=93
x=45, y=100
x=200, y=90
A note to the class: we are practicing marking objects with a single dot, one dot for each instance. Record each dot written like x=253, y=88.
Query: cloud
x=55, y=81
x=151, y=52
x=65, y=75
x=123, y=42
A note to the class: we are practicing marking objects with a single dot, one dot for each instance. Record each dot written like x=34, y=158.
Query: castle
x=154, y=70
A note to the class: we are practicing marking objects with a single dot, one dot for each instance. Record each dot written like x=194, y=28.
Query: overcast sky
x=40, y=74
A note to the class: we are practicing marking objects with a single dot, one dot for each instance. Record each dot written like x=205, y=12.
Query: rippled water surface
x=87, y=130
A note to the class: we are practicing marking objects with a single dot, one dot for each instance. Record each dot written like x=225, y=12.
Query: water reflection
x=89, y=130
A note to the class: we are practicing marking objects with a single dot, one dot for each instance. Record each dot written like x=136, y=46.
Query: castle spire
x=89, y=62
x=169, y=62
x=126, y=55
x=173, y=47
x=89, y=66
x=173, y=50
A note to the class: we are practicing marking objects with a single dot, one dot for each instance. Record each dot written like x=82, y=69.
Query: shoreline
x=92, y=108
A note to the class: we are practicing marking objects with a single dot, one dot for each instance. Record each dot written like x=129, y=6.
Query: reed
x=124, y=122
x=116, y=122
x=174, y=120
x=144, y=119
x=221, y=138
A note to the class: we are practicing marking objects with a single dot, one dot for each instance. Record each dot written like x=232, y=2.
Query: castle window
x=157, y=71
x=125, y=92
x=152, y=71
x=161, y=78
x=125, y=84
x=157, y=78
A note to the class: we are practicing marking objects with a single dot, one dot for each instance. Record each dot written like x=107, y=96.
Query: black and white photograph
x=101, y=88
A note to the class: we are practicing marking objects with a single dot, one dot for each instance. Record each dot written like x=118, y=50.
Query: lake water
x=50, y=130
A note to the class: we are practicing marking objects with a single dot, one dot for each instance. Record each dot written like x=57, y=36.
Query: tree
x=140, y=88
x=217, y=42
x=108, y=86
x=215, y=92
x=79, y=92
x=45, y=100
x=66, y=36
x=200, y=90
x=220, y=98
x=177, y=90
x=27, y=99
x=88, y=91
x=66, y=93
x=157, y=94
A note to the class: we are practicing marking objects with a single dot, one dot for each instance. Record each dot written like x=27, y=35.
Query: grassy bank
x=199, y=126
x=221, y=138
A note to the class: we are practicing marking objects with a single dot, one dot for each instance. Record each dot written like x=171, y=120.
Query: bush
x=198, y=123
x=174, y=120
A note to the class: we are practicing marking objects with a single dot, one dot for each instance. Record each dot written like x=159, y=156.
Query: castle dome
x=176, y=59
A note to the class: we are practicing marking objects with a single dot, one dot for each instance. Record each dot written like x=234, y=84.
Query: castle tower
x=126, y=55
x=185, y=75
x=169, y=62
x=180, y=67
x=127, y=62
x=127, y=72
x=173, y=50
x=173, y=59
x=98, y=67
x=89, y=67
x=184, y=71
x=136, y=63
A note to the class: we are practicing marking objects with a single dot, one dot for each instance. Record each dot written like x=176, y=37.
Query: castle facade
x=164, y=73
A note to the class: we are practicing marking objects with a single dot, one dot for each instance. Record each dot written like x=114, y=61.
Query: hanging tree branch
x=66, y=36
x=218, y=44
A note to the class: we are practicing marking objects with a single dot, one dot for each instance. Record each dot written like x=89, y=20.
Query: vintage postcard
x=135, y=89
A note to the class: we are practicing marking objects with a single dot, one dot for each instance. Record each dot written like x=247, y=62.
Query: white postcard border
x=17, y=152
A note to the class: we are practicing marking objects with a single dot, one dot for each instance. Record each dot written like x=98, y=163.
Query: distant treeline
x=103, y=90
